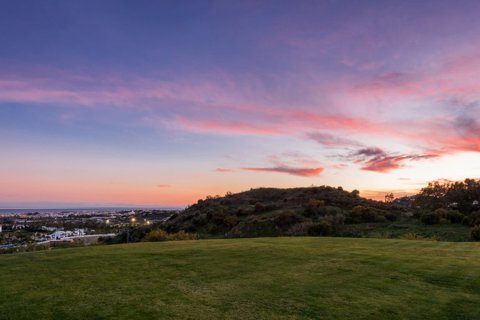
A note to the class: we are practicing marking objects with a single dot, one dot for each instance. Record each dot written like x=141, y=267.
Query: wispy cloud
x=302, y=172
x=378, y=160
x=221, y=103
x=331, y=140
x=224, y=127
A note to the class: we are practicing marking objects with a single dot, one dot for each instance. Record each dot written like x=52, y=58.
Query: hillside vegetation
x=274, y=212
x=261, y=278
x=320, y=211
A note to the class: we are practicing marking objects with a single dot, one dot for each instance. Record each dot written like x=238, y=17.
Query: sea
x=79, y=210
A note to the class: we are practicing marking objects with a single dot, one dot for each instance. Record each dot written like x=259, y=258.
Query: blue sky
x=164, y=102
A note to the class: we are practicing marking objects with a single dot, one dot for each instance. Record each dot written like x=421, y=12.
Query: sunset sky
x=160, y=103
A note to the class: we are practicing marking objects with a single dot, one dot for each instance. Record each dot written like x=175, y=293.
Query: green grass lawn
x=397, y=229
x=263, y=278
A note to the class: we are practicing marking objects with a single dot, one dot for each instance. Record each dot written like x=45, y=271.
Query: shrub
x=312, y=207
x=429, y=218
x=475, y=233
x=300, y=229
x=473, y=219
x=287, y=219
x=254, y=226
x=443, y=221
x=265, y=207
x=309, y=228
x=161, y=235
x=414, y=236
x=156, y=235
x=199, y=220
x=259, y=207
x=322, y=228
x=455, y=216
x=230, y=221
x=218, y=216
x=364, y=214
x=442, y=216
x=338, y=219
x=448, y=216
x=242, y=212
x=181, y=235
x=226, y=202
x=390, y=216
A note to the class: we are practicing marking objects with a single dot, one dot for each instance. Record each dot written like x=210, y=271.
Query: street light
x=132, y=220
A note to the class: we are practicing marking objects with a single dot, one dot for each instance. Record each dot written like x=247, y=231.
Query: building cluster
x=61, y=234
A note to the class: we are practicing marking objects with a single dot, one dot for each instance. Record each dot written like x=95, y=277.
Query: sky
x=161, y=103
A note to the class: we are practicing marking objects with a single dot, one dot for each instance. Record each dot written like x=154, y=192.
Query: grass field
x=263, y=278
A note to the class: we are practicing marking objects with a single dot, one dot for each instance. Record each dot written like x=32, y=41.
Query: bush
x=156, y=235
x=310, y=228
x=300, y=229
x=322, y=228
x=243, y=212
x=364, y=214
x=161, y=235
x=473, y=219
x=449, y=216
x=312, y=207
x=414, y=236
x=181, y=235
x=223, y=220
x=475, y=233
x=390, y=216
x=287, y=219
x=442, y=216
x=200, y=219
x=443, y=221
x=254, y=226
x=455, y=216
x=429, y=218
x=259, y=207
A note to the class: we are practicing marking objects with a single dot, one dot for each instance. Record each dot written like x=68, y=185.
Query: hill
x=273, y=212
x=261, y=278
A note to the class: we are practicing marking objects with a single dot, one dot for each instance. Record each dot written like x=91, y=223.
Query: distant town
x=70, y=227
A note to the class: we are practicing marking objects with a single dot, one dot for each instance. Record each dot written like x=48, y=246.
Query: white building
x=59, y=234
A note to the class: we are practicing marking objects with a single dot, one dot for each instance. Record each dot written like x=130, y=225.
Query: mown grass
x=398, y=229
x=262, y=278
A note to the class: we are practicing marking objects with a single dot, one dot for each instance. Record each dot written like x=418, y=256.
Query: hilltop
x=273, y=212
x=448, y=212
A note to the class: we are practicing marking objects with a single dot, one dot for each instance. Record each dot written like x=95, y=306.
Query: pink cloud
x=302, y=172
x=340, y=166
x=455, y=75
x=242, y=105
x=223, y=170
x=331, y=140
x=293, y=159
x=224, y=127
x=376, y=159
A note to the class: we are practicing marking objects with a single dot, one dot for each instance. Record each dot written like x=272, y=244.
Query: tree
x=389, y=198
